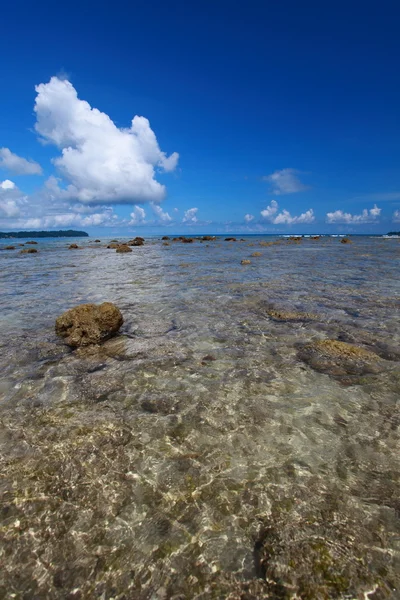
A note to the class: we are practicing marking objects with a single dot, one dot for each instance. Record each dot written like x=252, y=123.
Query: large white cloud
x=285, y=181
x=272, y=214
x=18, y=165
x=138, y=216
x=366, y=216
x=100, y=162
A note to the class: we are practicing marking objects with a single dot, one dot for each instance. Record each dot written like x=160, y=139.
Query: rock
x=339, y=359
x=88, y=324
x=9, y=248
x=97, y=240
x=31, y=242
x=123, y=248
x=245, y=261
x=73, y=247
x=136, y=242
x=114, y=242
x=256, y=254
x=315, y=237
x=209, y=238
x=113, y=246
x=230, y=239
x=165, y=237
x=165, y=243
x=28, y=251
x=290, y=316
x=187, y=240
x=138, y=238
x=345, y=241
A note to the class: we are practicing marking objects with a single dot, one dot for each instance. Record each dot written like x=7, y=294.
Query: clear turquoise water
x=149, y=468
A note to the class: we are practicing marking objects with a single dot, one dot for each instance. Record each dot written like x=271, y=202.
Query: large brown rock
x=124, y=248
x=28, y=251
x=88, y=324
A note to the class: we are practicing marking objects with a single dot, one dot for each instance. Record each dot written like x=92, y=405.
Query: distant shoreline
x=42, y=234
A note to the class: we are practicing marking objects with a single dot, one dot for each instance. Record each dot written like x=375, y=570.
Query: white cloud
x=100, y=162
x=190, y=216
x=17, y=164
x=270, y=211
x=7, y=185
x=248, y=218
x=367, y=216
x=285, y=181
x=396, y=216
x=284, y=217
x=138, y=216
x=162, y=216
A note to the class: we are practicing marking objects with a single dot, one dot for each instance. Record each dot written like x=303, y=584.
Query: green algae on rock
x=88, y=324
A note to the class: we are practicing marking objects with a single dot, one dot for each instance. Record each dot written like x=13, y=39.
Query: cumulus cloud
x=7, y=185
x=162, y=216
x=285, y=181
x=100, y=162
x=40, y=211
x=138, y=216
x=396, y=216
x=18, y=165
x=190, y=216
x=272, y=214
x=269, y=212
x=366, y=216
x=248, y=218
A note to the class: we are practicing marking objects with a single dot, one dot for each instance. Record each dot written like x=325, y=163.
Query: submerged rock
x=9, y=248
x=245, y=261
x=230, y=239
x=290, y=315
x=345, y=241
x=124, y=248
x=28, y=251
x=32, y=242
x=256, y=254
x=73, y=247
x=339, y=359
x=89, y=323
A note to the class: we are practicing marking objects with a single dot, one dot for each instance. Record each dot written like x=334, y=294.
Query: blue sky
x=287, y=112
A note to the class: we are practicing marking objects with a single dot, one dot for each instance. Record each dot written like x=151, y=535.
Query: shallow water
x=202, y=453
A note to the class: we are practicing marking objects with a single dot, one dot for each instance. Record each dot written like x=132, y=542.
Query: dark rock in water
x=89, y=323
x=138, y=238
x=31, y=242
x=209, y=238
x=345, y=241
x=339, y=359
x=186, y=240
x=28, y=251
x=114, y=242
x=73, y=247
x=124, y=248
x=9, y=248
x=230, y=239
x=165, y=237
x=97, y=240
x=136, y=242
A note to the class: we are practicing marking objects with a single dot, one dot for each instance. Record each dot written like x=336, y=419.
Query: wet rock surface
x=89, y=324
x=339, y=359
x=123, y=248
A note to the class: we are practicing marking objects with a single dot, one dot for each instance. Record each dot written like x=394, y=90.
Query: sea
x=239, y=437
